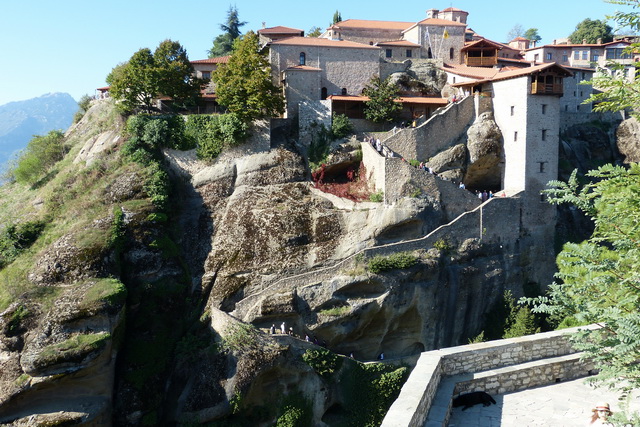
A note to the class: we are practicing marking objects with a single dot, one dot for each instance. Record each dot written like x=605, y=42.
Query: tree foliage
x=244, y=84
x=615, y=91
x=223, y=44
x=590, y=30
x=314, y=32
x=515, y=32
x=382, y=105
x=532, y=34
x=337, y=17
x=147, y=76
x=38, y=158
x=598, y=280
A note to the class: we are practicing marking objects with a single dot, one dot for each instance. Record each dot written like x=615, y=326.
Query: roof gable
x=279, y=30
x=371, y=25
x=320, y=42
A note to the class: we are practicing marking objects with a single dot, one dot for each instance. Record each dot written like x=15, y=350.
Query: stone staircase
x=476, y=223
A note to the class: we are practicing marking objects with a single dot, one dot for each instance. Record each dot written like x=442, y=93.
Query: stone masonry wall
x=310, y=112
x=440, y=131
x=415, y=399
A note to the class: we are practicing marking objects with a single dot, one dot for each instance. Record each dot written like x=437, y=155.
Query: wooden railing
x=538, y=88
x=482, y=61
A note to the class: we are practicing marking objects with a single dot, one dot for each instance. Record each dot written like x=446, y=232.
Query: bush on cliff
x=38, y=158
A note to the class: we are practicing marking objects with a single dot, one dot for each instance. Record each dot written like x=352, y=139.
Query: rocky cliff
x=246, y=242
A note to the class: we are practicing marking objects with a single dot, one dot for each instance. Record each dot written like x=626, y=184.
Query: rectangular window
x=541, y=165
x=596, y=57
x=206, y=75
x=544, y=134
x=565, y=58
x=512, y=110
x=576, y=54
x=388, y=53
x=515, y=136
x=585, y=55
x=584, y=76
x=408, y=53
x=544, y=108
x=549, y=56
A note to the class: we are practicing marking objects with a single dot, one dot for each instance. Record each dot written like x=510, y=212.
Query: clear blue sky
x=71, y=45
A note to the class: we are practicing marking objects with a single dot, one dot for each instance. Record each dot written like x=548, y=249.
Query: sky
x=72, y=45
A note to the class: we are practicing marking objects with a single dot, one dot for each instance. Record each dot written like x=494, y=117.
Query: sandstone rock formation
x=486, y=153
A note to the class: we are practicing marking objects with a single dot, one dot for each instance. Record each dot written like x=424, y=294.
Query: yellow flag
x=446, y=34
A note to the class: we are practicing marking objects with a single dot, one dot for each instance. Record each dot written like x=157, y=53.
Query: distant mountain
x=21, y=120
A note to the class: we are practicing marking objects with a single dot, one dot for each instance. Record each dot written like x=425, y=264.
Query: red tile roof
x=279, y=30
x=375, y=25
x=483, y=41
x=402, y=99
x=453, y=9
x=320, y=42
x=303, y=68
x=483, y=74
x=441, y=22
x=216, y=60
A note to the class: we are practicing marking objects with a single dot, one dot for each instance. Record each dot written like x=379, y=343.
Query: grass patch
x=377, y=197
x=73, y=349
x=400, y=260
x=111, y=292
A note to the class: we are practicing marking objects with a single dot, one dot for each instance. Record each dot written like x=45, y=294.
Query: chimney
x=584, y=41
x=432, y=13
x=599, y=41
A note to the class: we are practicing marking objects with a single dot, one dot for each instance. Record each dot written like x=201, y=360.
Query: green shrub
x=38, y=158
x=377, y=196
x=369, y=391
x=16, y=238
x=341, y=126
x=211, y=134
x=414, y=162
x=296, y=412
x=442, y=245
x=323, y=361
x=380, y=263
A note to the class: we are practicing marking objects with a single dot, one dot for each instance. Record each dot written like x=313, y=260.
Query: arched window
x=451, y=53
x=429, y=54
x=303, y=58
x=323, y=93
x=344, y=91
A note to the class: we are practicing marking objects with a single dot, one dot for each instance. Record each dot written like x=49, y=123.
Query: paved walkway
x=565, y=404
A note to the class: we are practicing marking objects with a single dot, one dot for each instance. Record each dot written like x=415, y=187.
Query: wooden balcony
x=480, y=61
x=539, y=88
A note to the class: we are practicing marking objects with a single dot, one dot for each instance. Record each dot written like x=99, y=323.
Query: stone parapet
x=497, y=366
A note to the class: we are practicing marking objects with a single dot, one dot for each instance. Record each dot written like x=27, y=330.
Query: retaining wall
x=433, y=367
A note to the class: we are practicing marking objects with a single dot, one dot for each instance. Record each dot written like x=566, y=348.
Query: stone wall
x=300, y=86
x=310, y=112
x=375, y=166
x=418, y=393
x=440, y=131
x=350, y=68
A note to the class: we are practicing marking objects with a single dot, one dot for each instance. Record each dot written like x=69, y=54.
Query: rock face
x=628, y=140
x=486, y=153
x=422, y=78
x=477, y=162
x=250, y=243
